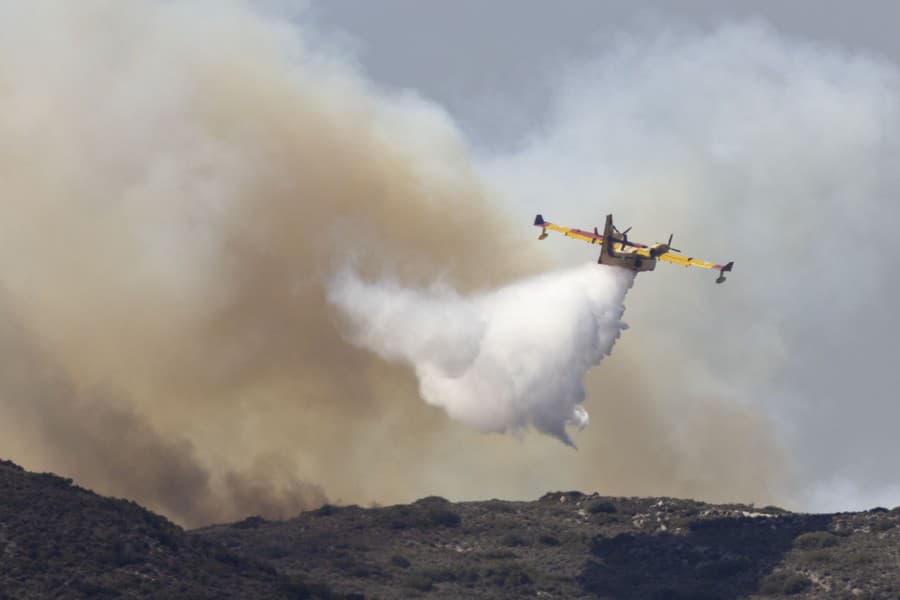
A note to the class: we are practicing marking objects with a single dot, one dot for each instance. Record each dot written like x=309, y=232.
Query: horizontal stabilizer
x=721, y=277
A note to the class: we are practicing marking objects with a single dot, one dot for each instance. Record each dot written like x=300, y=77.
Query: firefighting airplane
x=616, y=249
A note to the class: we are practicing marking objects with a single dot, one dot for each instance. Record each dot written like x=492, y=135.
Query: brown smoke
x=675, y=443
x=177, y=185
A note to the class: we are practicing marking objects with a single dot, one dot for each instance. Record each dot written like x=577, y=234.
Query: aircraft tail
x=606, y=250
x=721, y=277
x=540, y=222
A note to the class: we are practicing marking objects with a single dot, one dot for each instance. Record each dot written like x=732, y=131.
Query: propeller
x=624, y=234
x=669, y=244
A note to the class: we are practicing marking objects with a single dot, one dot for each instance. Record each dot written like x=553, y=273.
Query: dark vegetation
x=58, y=540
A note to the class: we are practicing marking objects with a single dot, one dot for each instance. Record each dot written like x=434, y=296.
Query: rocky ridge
x=58, y=540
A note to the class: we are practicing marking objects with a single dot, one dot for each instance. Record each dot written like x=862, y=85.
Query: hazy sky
x=492, y=64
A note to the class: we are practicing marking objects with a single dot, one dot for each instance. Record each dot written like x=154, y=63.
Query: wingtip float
x=616, y=249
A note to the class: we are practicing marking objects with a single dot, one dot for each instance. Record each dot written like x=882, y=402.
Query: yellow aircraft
x=617, y=250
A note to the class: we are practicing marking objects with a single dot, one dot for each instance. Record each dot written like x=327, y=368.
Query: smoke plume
x=181, y=182
x=501, y=361
x=177, y=183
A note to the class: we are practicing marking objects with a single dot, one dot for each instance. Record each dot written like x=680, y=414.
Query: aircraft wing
x=684, y=261
x=585, y=236
x=591, y=237
x=688, y=262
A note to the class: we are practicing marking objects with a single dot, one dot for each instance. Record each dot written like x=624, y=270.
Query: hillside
x=59, y=540
x=569, y=545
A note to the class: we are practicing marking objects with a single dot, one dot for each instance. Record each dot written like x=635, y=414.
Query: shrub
x=232, y=560
x=508, y=574
x=561, y=497
x=250, y=523
x=445, y=574
x=11, y=465
x=724, y=567
x=416, y=516
x=496, y=555
x=601, y=506
x=883, y=525
x=420, y=582
x=681, y=523
x=602, y=518
x=548, y=540
x=512, y=540
x=89, y=589
x=784, y=583
x=605, y=547
x=444, y=517
x=431, y=500
x=815, y=539
x=815, y=557
x=400, y=517
x=775, y=510
x=121, y=554
x=400, y=561
x=296, y=588
x=168, y=539
x=275, y=552
x=361, y=571
x=499, y=506
x=861, y=558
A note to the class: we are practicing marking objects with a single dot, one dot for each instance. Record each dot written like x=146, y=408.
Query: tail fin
x=606, y=249
x=721, y=277
x=539, y=222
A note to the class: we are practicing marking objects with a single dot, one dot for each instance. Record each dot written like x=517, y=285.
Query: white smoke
x=778, y=154
x=503, y=360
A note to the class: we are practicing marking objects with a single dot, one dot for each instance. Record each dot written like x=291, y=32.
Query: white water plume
x=501, y=360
